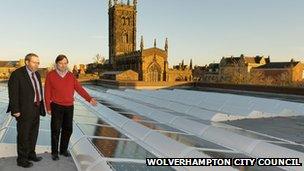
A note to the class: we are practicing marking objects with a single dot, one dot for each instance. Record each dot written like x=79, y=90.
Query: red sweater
x=61, y=90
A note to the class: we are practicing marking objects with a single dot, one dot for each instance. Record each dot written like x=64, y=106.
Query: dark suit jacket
x=21, y=94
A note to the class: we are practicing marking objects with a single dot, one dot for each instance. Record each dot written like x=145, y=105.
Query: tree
x=98, y=65
x=268, y=81
x=256, y=78
x=284, y=79
x=99, y=59
x=235, y=73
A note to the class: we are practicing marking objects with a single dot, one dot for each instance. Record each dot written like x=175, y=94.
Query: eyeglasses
x=37, y=63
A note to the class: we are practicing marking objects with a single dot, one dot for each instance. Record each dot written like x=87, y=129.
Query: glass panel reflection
x=124, y=166
x=121, y=111
x=150, y=123
x=192, y=141
x=116, y=109
x=92, y=120
x=44, y=137
x=106, y=103
x=93, y=130
x=136, y=118
x=121, y=149
x=159, y=126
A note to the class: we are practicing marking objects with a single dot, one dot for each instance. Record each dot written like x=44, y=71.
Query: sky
x=202, y=30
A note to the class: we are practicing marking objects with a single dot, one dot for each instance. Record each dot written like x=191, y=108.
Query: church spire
x=166, y=45
x=155, y=43
x=142, y=43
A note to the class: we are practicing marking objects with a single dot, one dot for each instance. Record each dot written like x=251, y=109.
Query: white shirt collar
x=62, y=74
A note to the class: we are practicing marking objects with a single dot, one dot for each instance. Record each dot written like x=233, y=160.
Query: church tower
x=122, y=28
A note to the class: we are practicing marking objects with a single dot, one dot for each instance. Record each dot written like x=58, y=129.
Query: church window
x=123, y=21
x=127, y=21
x=125, y=38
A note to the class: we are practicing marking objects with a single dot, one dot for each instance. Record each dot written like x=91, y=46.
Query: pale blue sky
x=204, y=30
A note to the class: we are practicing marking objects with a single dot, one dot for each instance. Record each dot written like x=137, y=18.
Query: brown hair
x=60, y=58
x=29, y=56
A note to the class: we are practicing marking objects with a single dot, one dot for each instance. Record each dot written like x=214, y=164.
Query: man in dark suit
x=26, y=105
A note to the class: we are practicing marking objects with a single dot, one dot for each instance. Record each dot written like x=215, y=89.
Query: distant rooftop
x=274, y=65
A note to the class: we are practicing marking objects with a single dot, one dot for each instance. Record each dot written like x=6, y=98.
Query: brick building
x=293, y=71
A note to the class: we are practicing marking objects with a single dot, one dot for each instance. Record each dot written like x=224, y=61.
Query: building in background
x=251, y=70
x=232, y=67
x=283, y=72
x=211, y=73
x=151, y=64
x=7, y=67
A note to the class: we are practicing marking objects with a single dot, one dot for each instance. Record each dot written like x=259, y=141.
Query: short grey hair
x=29, y=56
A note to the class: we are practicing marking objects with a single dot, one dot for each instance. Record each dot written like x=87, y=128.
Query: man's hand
x=16, y=114
x=49, y=112
x=93, y=102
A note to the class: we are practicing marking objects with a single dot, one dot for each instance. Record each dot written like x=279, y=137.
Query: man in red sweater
x=60, y=85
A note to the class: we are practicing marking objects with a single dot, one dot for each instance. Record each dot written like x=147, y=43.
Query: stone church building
x=150, y=64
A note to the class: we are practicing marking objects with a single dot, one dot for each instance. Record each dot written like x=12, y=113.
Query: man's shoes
x=35, y=159
x=25, y=164
x=66, y=154
x=55, y=157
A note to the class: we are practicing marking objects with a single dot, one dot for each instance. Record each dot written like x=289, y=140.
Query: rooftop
x=128, y=126
x=275, y=65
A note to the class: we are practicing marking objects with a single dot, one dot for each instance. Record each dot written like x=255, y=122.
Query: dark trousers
x=61, y=121
x=27, y=133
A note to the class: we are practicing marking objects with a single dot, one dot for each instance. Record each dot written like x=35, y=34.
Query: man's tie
x=37, y=102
